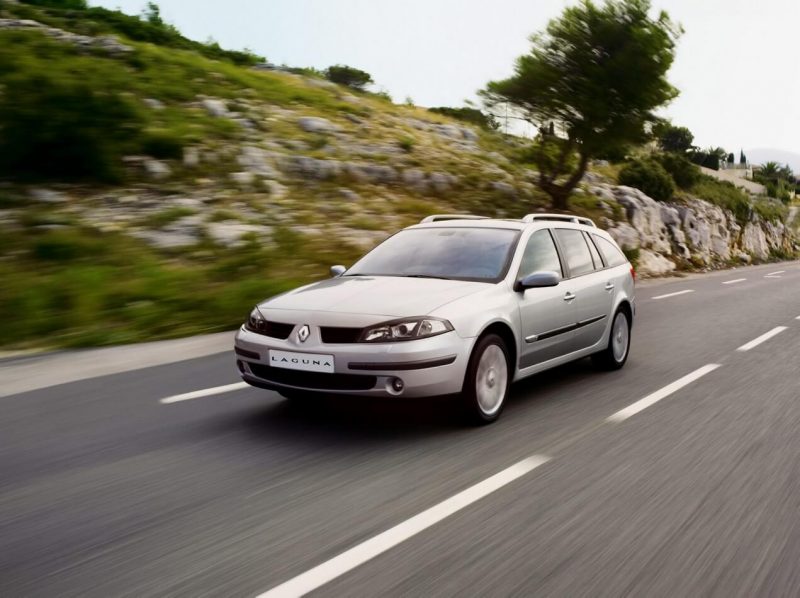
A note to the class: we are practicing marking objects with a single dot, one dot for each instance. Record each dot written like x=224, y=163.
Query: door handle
x=569, y=296
x=609, y=286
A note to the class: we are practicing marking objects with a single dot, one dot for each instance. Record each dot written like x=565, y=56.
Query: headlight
x=256, y=322
x=407, y=329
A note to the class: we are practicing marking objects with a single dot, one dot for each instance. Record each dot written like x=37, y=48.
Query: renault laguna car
x=456, y=305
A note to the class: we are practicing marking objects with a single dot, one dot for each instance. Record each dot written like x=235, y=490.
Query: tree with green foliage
x=674, y=139
x=742, y=158
x=349, y=76
x=730, y=158
x=62, y=4
x=599, y=73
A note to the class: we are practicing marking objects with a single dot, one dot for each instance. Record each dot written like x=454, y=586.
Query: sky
x=737, y=64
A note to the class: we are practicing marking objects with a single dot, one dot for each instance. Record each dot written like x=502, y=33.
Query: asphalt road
x=107, y=491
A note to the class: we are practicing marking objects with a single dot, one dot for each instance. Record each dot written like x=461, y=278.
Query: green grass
x=165, y=217
x=78, y=287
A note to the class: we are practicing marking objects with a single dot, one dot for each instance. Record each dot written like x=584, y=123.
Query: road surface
x=677, y=476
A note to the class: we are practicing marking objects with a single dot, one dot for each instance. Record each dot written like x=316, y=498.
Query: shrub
x=648, y=176
x=349, y=76
x=162, y=144
x=406, y=144
x=63, y=4
x=683, y=172
x=674, y=139
x=770, y=209
x=723, y=194
x=56, y=126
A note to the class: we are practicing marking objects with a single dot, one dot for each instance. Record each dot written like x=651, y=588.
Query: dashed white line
x=197, y=394
x=369, y=549
x=734, y=281
x=775, y=273
x=674, y=294
x=764, y=337
x=662, y=393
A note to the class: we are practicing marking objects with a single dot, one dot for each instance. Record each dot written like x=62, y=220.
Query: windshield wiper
x=426, y=276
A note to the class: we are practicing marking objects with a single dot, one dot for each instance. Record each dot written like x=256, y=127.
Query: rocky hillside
x=217, y=184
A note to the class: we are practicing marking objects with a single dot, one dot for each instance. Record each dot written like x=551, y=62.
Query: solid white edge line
x=196, y=394
x=662, y=393
x=674, y=294
x=734, y=281
x=764, y=337
x=369, y=549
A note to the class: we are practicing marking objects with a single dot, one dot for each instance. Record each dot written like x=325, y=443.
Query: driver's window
x=540, y=255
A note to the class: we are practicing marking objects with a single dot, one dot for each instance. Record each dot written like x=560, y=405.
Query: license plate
x=306, y=362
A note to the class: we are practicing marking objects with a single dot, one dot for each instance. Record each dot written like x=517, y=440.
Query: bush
x=723, y=194
x=770, y=210
x=63, y=4
x=60, y=127
x=648, y=176
x=349, y=76
x=683, y=172
x=406, y=144
x=162, y=145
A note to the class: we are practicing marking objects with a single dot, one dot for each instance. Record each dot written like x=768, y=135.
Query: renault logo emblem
x=302, y=334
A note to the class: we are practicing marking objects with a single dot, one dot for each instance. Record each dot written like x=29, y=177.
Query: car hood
x=375, y=295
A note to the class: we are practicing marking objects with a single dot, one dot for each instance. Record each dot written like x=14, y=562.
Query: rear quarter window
x=611, y=253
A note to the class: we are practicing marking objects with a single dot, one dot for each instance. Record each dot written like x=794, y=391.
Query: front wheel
x=487, y=380
x=614, y=356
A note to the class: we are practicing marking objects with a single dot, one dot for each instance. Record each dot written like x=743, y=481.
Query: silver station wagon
x=456, y=305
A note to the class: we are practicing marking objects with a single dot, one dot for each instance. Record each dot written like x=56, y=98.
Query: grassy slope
x=71, y=281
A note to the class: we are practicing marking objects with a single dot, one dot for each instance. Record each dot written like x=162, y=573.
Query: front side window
x=577, y=255
x=540, y=255
x=459, y=253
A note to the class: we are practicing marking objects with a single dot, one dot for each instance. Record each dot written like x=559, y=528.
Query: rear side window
x=598, y=263
x=612, y=255
x=540, y=254
x=576, y=251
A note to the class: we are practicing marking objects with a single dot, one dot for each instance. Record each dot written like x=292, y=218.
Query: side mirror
x=544, y=278
x=337, y=271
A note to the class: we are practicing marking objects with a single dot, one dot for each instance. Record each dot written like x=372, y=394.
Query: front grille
x=272, y=329
x=313, y=380
x=332, y=334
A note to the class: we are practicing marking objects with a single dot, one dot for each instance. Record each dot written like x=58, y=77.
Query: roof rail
x=560, y=218
x=440, y=217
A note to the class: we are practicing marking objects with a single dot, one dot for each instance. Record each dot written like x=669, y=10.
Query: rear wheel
x=487, y=380
x=614, y=356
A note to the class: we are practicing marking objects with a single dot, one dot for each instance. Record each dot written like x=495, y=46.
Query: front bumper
x=428, y=367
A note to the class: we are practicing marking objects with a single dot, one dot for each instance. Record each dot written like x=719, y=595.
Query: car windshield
x=479, y=254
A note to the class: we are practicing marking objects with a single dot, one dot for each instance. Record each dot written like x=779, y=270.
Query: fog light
x=397, y=385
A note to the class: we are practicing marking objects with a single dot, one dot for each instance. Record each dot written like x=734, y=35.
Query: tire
x=614, y=356
x=486, y=381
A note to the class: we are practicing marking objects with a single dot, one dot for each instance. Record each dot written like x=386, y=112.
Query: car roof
x=541, y=221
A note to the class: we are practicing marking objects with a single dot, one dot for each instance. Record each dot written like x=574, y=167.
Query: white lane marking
x=196, y=394
x=734, y=281
x=662, y=393
x=775, y=273
x=369, y=549
x=764, y=337
x=674, y=294
x=797, y=318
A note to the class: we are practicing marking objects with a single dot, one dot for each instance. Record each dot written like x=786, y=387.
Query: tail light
x=633, y=274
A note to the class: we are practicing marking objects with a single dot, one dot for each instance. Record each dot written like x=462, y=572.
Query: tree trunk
x=559, y=194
